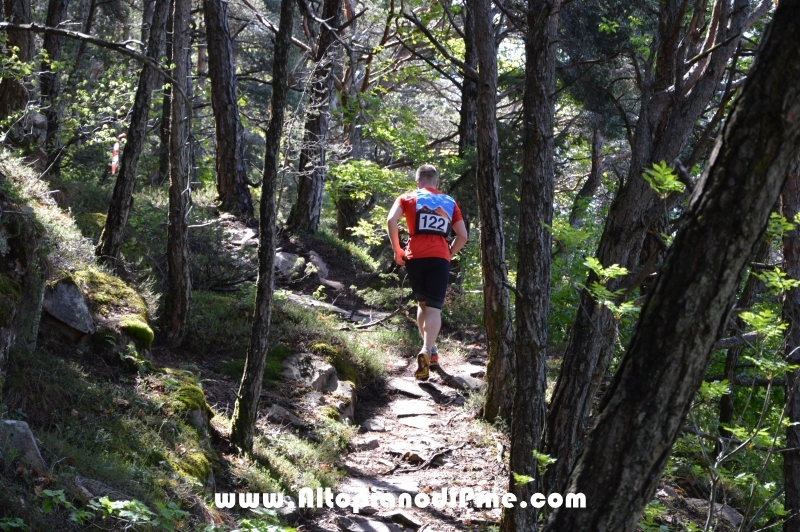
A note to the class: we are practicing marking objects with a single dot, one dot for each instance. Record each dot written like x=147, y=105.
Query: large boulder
x=65, y=302
x=317, y=374
x=16, y=440
x=288, y=264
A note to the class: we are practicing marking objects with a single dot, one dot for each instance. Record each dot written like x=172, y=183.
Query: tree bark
x=306, y=211
x=179, y=292
x=496, y=315
x=534, y=257
x=13, y=94
x=791, y=313
x=674, y=95
x=644, y=408
x=49, y=85
x=592, y=183
x=163, y=132
x=110, y=244
x=234, y=194
x=246, y=409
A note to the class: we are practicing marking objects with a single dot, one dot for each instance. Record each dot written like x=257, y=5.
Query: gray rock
x=303, y=367
x=404, y=519
x=65, y=302
x=314, y=398
x=367, y=444
x=418, y=422
x=406, y=387
x=345, y=400
x=288, y=264
x=16, y=440
x=411, y=407
x=374, y=424
x=278, y=414
x=288, y=511
x=336, y=285
x=468, y=383
x=723, y=511
x=361, y=524
x=199, y=420
x=319, y=264
x=396, y=484
x=472, y=370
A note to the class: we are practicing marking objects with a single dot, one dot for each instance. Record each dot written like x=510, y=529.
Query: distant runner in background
x=430, y=214
x=115, y=153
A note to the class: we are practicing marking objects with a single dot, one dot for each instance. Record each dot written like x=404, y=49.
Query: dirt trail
x=421, y=441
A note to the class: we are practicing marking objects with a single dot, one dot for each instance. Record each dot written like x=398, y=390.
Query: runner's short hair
x=427, y=173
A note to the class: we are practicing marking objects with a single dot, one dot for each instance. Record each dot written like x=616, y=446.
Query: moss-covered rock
x=108, y=295
x=190, y=397
x=91, y=224
x=137, y=330
x=196, y=467
x=338, y=358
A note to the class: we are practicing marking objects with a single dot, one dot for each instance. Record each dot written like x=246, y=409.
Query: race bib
x=434, y=213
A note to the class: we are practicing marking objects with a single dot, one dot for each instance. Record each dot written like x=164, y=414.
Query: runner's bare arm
x=394, y=232
x=461, y=238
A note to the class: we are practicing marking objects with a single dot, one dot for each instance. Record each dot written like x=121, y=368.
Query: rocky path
x=422, y=441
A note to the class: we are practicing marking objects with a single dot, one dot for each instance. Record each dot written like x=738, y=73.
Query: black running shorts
x=428, y=278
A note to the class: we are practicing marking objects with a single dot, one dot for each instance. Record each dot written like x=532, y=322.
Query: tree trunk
x=305, y=213
x=163, y=133
x=179, y=292
x=688, y=309
x=110, y=244
x=791, y=313
x=13, y=94
x=589, y=188
x=534, y=257
x=246, y=409
x=49, y=86
x=234, y=195
x=667, y=116
x=496, y=315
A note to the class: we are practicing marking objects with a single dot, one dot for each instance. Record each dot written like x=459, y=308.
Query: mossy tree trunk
x=246, y=409
x=110, y=244
x=496, y=315
x=688, y=309
x=234, y=194
x=179, y=291
x=306, y=211
x=534, y=255
x=674, y=93
x=791, y=313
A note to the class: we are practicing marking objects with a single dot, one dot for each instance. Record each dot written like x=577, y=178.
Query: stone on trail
x=396, y=484
x=345, y=400
x=725, y=512
x=472, y=370
x=367, y=444
x=406, y=387
x=470, y=384
x=303, y=367
x=17, y=435
x=411, y=407
x=65, y=302
x=373, y=424
x=419, y=422
x=361, y=524
x=402, y=518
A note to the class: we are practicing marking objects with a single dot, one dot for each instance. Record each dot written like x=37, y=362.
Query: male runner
x=430, y=214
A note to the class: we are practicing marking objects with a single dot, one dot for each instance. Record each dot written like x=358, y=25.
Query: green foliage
x=602, y=295
x=9, y=524
x=521, y=480
x=662, y=179
x=358, y=179
x=778, y=225
x=653, y=512
x=777, y=281
x=543, y=461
